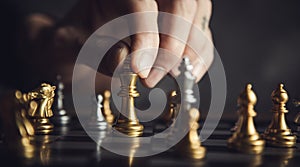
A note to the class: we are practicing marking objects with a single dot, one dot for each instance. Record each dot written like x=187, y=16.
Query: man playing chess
x=58, y=41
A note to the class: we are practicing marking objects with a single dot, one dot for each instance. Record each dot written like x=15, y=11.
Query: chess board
x=71, y=146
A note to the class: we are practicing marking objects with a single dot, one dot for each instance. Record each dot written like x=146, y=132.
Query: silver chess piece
x=60, y=117
x=188, y=80
x=127, y=122
x=97, y=120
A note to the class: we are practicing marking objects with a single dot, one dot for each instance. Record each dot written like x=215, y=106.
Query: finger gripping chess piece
x=127, y=121
x=246, y=138
x=38, y=104
x=278, y=133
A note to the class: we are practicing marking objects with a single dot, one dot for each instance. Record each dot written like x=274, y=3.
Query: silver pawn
x=61, y=117
x=97, y=120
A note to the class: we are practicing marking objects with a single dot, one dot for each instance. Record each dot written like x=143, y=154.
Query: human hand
x=166, y=52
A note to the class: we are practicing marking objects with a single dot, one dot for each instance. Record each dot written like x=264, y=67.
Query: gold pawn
x=190, y=145
x=170, y=114
x=246, y=138
x=278, y=133
x=106, y=107
x=127, y=122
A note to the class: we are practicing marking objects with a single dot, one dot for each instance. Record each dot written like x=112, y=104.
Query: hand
x=197, y=12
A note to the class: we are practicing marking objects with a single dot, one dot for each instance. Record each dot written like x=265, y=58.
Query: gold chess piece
x=190, y=146
x=246, y=138
x=174, y=105
x=278, y=133
x=169, y=115
x=38, y=105
x=297, y=120
x=106, y=107
x=127, y=121
x=17, y=129
x=236, y=125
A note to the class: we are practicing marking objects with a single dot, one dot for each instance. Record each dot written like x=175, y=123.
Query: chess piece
x=236, y=125
x=188, y=80
x=18, y=131
x=190, y=145
x=246, y=138
x=106, y=107
x=169, y=115
x=278, y=133
x=174, y=103
x=60, y=117
x=97, y=120
x=127, y=121
x=38, y=104
x=297, y=120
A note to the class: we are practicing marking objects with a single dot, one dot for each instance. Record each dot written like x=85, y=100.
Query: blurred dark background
x=258, y=41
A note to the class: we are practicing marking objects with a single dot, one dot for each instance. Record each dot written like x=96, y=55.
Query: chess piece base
x=280, y=138
x=42, y=126
x=61, y=120
x=195, y=153
x=132, y=129
x=109, y=118
x=252, y=144
x=190, y=149
x=97, y=125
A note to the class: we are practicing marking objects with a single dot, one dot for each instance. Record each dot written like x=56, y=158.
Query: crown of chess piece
x=110, y=118
x=127, y=122
x=278, y=134
x=246, y=138
x=190, y=146
x=38, y=104
x=60, y=114
x=97, y=121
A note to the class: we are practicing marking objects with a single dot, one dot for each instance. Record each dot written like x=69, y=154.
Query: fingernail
x=144, y=74
x=142, y=63
x=154, y=77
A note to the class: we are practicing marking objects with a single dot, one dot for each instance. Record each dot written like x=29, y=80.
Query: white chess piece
x=97, y=121
x=60, y=117
x=99, y=108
